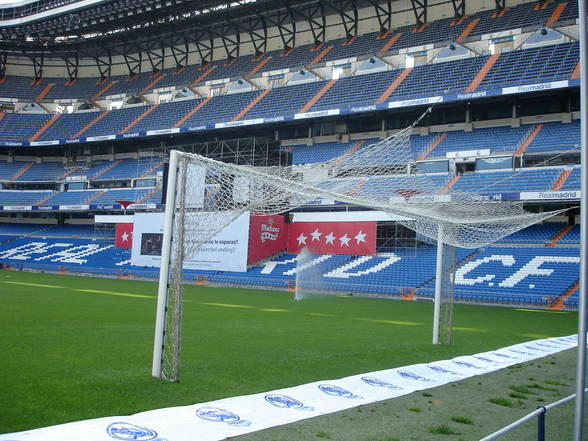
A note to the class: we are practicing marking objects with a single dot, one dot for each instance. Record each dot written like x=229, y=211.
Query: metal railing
x=539, y=413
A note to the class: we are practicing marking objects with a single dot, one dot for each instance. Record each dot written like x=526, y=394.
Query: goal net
x=205, y=195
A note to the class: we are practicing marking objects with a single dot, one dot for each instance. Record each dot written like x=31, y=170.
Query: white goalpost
x=204, y=196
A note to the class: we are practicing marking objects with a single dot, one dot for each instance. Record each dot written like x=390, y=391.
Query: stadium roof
x=89, y=27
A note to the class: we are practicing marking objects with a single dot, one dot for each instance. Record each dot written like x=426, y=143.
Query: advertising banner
x=267, y=236
x=225, y=251
x=550, y=195
x=333, y=237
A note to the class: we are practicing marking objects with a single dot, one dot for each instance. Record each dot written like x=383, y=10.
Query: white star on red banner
x=301, y=239
x=316, y=235
x=345, y=240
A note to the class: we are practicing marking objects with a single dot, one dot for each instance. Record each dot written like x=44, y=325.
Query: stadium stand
x=555, y=137
x=17, y=197
x=526, y=66
x=530, y=267
x=8, y=170
x=20, y=127
x=532, y=274
x=44, y=171
x=535, y=234
x=538, y=179
x=68, y=125
x=529, y=66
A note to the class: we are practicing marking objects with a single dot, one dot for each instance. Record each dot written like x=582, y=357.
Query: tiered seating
x=44, y=171
x=68, y=231
x=14, y=230
x=497, y=139
x=221, y=108
x=131, y=168
x=90, y=171
x=536, y=65
x=535, y=234
x=183, y=78
x=115, y=121
x=19, y=127
x=444, y=30
x=155, y=197
x=129, y=86
x=165, y=115
x=235, y=69
x=80, y=89
x=556, y=137
x=546, y=63
x=16, y=197
x=518, y=275
x=73, y=197
x=113, y=195
x=572, y=237
x=574, y=180
x=299, y=57
x=360, y=90
x=531, y=179
x=21, y=87
x=437, y=31
x=305, y=154
x=426, y=80
x=366, y=44
x=68, y=125
x=433, y=79
x=520, y=16
x=285, y=100
x=80, y=197
x=9, y=169
x=509, y=275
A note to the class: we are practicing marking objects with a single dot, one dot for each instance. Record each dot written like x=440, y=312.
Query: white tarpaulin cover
x=217, y=420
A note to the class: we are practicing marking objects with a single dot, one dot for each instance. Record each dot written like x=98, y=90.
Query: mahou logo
x=267, y=236
x=269, y=231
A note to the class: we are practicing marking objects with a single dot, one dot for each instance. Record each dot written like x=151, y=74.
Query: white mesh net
x=379, y=176
x=211, y=194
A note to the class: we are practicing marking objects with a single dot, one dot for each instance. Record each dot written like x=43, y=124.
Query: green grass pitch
x=75, y=348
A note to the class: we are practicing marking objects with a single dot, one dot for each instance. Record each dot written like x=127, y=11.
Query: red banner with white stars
x=333, y=237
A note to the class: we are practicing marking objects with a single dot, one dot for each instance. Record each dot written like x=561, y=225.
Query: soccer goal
x=205, y=195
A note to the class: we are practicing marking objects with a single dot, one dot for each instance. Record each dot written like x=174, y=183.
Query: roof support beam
x=104, y=63
x=314, y=14
x=155, y=51
x=3, y=58
x=383, y=14
x=284, y=21
x=458, y=8
x=72, y=64
x=179, y=50
x=204, y=42
x=419, y=8
x=347, y=10
x=133, y=62
x=38, y=61
x=232, y=44
x=256, y=27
